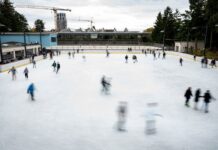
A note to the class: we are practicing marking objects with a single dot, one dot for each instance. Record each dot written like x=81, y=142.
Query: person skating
x=181, y=61
x=134, y=57
x=194, y=57
x=188, y=95
x=34, y=64
x=105, y=85
x=126, y=58
x=205, y=62
x=122, y=112
x=213, y=63
x=107, y=53
x=207, y=99
x=30, y=90
x=58, y=67
x=197, y=96
x=69, y=54
x=26, y=72
x=13, y=72
x=154, y=54
x=54, y=66
x=164, y=55
x=202, y=62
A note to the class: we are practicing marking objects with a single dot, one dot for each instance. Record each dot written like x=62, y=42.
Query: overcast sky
x=136, y=15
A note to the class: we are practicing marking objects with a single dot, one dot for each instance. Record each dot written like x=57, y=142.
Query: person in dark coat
x=188, y=95
x=54, y=66
x=122, y=112
x=207, y=99
x=164, y=55
x=180, y=61
x=202, y=62
x=134, y=57
x=126, y=58
x=194, y=57
x=26, y=72
x=58, y=67
x=197, y=96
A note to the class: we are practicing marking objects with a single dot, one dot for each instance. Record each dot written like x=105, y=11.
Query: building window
x=53, y=39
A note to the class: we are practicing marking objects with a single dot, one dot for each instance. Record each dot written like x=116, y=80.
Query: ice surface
x=70, y=113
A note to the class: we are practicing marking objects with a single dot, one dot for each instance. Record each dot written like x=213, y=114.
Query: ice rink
x=71, y=113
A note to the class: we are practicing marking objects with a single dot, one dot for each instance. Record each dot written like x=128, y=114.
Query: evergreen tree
x=11, y=18
x=157, y=36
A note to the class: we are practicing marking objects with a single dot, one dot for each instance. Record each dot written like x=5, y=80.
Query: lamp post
x=163, y=31
x=1, y=54
x=24, y=40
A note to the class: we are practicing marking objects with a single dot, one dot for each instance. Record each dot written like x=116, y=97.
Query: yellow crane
x=86, y=20
x=54, y=9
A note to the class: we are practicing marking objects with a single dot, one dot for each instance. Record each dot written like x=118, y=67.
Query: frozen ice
x=71, y=113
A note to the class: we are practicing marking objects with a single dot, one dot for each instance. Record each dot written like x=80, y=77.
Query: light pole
x=163, y=31
x=1, y=54
x=24, y=40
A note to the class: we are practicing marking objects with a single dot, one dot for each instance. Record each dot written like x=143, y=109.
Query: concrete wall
x=182, y=46
x=16, y=64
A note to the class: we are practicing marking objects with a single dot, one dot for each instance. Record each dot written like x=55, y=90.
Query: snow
x=71, y=113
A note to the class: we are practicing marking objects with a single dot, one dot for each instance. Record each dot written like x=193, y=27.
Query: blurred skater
x=202, y=63
x=69, y=54
x=164, y=55
x=26, y=72
x=105, y=85
x=107, y=53
x=154, y=54
x=181, y=61
x=207, y=99
x=134, y=58
x=213, y=63
x=194, y=57
x=197, y=96
x=30, y=90
x=54, y=66
x=122, y=112
x=126, y=58
x=58, y=67
x=188, y=95
x=151, y=118
x=13, y=73
x=34, y=64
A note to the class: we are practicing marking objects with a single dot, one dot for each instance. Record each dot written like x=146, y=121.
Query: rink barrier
x=187, y=56
x=21, y=63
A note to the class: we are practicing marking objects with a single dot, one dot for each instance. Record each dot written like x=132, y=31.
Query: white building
x=17, y=52
x=61, y=21
x=181, y=46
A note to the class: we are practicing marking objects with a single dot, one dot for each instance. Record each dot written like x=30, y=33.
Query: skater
x=33, y=57
x=197, y=96
x=54, y=66
x=207, y=99
x=58, y=67
x=30, y=90
x=122, y=112
x=13, y=72
x=164, y=55
x=51, y=55
x=34, y=64
x=84, y=58
x=180, y=61
x=194, y=57
x=126, y=58
x=205, y=62
x=73, y=54
x=134, y=57
x=150, y=118
x=213, y=63
x=154, y=54
x=105, y=85
x=188, y=95
x=26, y=72
x=69, y=53
x=202, y=63
x=107, y=53
x=158, y=54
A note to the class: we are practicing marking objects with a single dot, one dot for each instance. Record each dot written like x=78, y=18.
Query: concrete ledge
x=20, y=63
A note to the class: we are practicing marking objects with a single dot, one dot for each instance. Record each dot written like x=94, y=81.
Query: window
x=53, y=39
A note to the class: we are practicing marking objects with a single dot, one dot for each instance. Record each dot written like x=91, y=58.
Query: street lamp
x=1, y=54
x=163, y=31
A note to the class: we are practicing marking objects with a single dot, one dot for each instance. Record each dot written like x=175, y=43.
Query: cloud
x=133, y=14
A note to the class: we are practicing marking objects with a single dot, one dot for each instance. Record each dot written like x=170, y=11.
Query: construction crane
x=91, y=22
x=54, y=9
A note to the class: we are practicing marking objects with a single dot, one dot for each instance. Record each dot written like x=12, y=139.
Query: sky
x=136, y=15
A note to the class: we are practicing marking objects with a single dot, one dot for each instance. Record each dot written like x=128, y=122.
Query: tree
x=39, y=25
x=156, y=35
x=11, y=18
